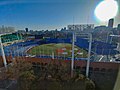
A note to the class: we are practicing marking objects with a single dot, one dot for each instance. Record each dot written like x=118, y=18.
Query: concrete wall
x=80, y=64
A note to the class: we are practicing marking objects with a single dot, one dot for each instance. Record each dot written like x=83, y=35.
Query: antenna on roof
x=88, y=19
x=73, y=20
x=73, y=23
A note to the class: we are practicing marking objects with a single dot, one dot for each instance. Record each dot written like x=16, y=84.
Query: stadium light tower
x=89, y=51
x=3, y=53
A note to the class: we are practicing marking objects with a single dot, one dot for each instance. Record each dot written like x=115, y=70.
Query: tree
x=52, y=76
x=21, y=71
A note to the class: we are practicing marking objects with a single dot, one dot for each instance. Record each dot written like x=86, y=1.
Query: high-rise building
x=80, y=27
x=4, y=29
x=26, y=29
x=118, y=27
x=110, y=23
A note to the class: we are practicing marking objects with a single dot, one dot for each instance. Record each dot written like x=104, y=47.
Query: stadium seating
x=10, y=37
x=102, y=48
x=98, y=47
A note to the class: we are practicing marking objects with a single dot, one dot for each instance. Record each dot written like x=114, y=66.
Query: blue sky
x=47, y=14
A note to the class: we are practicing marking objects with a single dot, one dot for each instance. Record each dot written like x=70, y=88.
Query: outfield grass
x=57, y=49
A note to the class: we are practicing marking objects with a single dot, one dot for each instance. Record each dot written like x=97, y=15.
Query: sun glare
x=106, y=9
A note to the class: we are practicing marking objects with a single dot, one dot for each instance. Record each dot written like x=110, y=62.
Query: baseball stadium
x=15, y=45
x=43, y=51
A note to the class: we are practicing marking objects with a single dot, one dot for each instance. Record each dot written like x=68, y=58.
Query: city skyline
x=45, y=14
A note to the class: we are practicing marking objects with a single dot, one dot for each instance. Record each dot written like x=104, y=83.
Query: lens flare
x=106, y=10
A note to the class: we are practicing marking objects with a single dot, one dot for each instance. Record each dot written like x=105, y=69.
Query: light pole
x=89, y=53
x=118, y=36
x=3, y=53
x=72, y=62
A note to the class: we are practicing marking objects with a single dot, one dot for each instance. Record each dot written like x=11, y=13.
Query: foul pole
x=3, y=53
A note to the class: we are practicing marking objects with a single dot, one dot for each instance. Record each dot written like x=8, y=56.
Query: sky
x=48, y=14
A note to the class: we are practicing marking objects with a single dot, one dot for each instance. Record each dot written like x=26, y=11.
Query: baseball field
x=61, y=49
